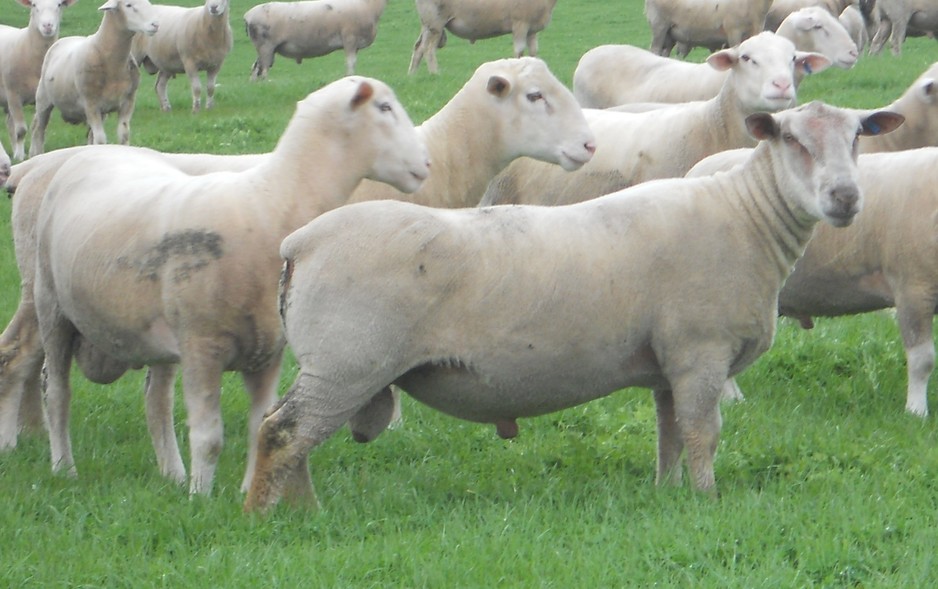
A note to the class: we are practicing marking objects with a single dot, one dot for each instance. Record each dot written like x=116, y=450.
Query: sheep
x=665, y=143
x=190, y=40
x=611, y=75
x=852, y=20
x=671, y=285
x=899, y=18
x=21, y=53
x=711, y=23
x=780, y=9
x=919, y=105
x=310, y=29
x=196, y=286
x=4, y=165
x=88, y=77
x=519, y=102
x=479, y=19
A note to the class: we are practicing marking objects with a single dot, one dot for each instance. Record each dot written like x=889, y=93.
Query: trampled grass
x=824, y=480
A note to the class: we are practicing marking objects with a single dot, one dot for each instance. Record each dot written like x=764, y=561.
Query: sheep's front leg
x=211, y=76
x=201, y=383
x=519, y=35
x=261, y=386
x=914, y=314
x=16, y=123
x=670, y=444
x=195, y=85
x=124, y=113
x=58, y=334
x=40, y=122
x=532, y=44
x=160, y=422
x=162, y=81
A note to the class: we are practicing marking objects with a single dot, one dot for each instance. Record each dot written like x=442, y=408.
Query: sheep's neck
x=725, y=116
x=778, y=229
x=113, y=39
x=36, y=44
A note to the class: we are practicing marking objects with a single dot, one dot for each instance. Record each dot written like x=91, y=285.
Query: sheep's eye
x=535, y=96
x=745, y=57
x=385, y=107
x=789, y=138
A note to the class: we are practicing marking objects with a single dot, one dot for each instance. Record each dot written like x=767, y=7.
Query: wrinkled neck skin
x=780, y=230
x=113, y=38
x=726, y=119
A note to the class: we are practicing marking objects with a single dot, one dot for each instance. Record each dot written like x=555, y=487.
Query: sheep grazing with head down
x=665, y=143
x=703, y=23
x=197, y=283
x=671, y=285
x=190, y=40
x=612, y=75
x=478, y=19
x=311, y=28
x=21, y=53
x=88, y=77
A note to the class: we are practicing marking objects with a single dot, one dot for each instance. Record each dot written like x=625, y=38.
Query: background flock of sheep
x=64, y=311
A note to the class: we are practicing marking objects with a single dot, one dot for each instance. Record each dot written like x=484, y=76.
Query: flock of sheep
x=488, y=313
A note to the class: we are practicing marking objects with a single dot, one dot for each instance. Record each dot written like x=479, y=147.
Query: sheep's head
x=45, y=15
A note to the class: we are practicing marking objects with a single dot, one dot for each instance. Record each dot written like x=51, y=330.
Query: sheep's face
x=538, y=116
x=814, y=152
x=817, y=30
x=217, y=7
x=45, y=15
x=138, y=15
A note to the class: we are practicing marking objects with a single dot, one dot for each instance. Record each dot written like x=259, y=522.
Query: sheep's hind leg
x=21, y=359
x=162, y=80
x=57, y=342
x=262, y=389
x=696, y=397
x=159, y=410
x=201, y=384
x=915, y=324
x=670, y=444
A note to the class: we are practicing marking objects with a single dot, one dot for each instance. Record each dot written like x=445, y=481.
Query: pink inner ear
x=721, y=60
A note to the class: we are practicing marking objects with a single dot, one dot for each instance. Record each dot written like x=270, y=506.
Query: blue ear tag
x=807, y=68
x=872, y=127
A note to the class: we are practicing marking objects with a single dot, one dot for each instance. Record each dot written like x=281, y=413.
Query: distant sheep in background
x=479, y=19
x=88, y=77
x=21, y=54
x=713, y=24
x=901, y=18
x=780, y=9
x=190, y=40
x=311, y=29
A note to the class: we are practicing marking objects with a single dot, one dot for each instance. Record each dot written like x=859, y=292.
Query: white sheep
x=703, y=23
x=919, y=105
x=4, y=165
x=311, y=28
x=197, y=284
x=780, y=9
x=852, y=20
x=478, y=19
x=190, y=40
x=21, y=53
x=88, y=77
x=901, y=18
x=665, y=143
x=671, y=285
x=518, y=102
x=612, y=75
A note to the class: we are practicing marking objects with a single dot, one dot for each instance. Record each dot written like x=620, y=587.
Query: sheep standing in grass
x=703, y=23
x=21, y=53
x=899, y=18
x=310, y=29
x=478, y=19
x=88, y=77
x=671, y=285
x=665, y=143
x=196, y=285
x=190, y=40
x=611, y=75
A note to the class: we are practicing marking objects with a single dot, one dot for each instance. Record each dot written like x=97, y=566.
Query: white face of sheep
x=815, y=155
x=45, y=15
x=400, y=157
x=540, y=117
x=763, y=69
x=138, y=14
x=819, y=31
x=216, y=7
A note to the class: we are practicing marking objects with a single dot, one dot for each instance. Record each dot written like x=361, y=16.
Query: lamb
x=611, y=75
x=190, y=40
x=517, y=101
x=671, y=285
x=780, y=9
x=310, y=29
x=479, y=19
x=711, y=23
x=87, y=78
x=197, y=284
x=21, y=53
x=665, y=143
x=899, y=18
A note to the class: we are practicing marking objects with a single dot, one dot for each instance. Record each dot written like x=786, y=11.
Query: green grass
x=824, y=481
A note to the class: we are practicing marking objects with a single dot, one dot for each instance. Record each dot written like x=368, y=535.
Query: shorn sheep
x=190, y=40
x=703, y=23
x=21, y=53
x=4, y=165
x=197, y=284
x=671, y=285
x=87, y=78
x=310, y=29
x=478, y=19
x=780, y=9
x=637, y=147
x=611, y=75
x=899, y=18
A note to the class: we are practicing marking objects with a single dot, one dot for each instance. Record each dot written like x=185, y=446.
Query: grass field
x=824, y=481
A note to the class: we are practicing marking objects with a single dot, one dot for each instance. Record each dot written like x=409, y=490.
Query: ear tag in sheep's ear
x=807, y=68
x=365, y=92
x=498, y=86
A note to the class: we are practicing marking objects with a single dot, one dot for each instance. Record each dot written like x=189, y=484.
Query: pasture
x=824, y=481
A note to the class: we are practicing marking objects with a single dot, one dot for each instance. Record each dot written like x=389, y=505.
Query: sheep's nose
x=590, y=147
x=782, y=84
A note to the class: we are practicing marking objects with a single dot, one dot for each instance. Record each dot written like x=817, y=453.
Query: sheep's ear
x=804, y=22
x=362, y=95
x=26, y=3
x=810, y=63
x=881, y=122
x=762, y=126
x=927, y=90
x=498, y=86
x=109, y=5
x=723, y=60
